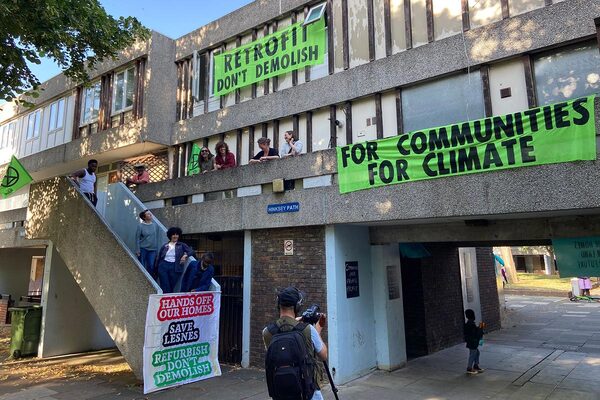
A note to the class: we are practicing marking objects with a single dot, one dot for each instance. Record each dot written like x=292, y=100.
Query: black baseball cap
x=290, y=297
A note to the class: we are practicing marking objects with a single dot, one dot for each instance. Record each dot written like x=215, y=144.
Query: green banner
x=555, y=133
x=284, y=51
x=194, y=162
x=15, y=178
x=577, y=256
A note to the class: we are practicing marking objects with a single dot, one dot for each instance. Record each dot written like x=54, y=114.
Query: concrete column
x=548, y=265
x=389, y=314
x=246, y=299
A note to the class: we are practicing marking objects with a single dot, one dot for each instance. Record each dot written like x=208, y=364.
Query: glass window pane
x=96, y=96
x=30, y=126
x=52, y=124
x=443, y=102
x=38, y=115
x=60, y=113
x=130, y=87
x=568, y=73
x=119, y=83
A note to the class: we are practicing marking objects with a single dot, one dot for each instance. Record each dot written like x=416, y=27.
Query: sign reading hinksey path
x=182, y=339
x=284, y=51
x=555, y=133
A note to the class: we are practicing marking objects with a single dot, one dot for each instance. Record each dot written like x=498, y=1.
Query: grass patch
x=541, y=282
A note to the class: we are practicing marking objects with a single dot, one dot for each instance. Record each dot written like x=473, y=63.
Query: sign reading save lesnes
x=555, y=133
x=284, y=51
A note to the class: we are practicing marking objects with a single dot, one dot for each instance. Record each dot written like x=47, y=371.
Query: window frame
x=114, y=110
x=60, y=106
x=320, y=11
x=37, y=122
x=92, y=119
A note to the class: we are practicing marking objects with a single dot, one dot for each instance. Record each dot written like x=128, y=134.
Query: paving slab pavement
x=542, y=353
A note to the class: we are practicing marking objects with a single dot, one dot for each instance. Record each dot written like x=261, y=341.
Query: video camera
x=312, y=314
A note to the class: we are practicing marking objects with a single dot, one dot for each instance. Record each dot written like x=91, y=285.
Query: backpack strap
x=273, y=328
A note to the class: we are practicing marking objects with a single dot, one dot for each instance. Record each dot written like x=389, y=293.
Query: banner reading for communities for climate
x=284, y=51
x=551, y=134
x=182, y=339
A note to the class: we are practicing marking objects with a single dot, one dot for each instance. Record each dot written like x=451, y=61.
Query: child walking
x=473, y=334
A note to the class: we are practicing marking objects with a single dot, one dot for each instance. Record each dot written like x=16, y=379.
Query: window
x=57, y=113
x=7, y=134
x=90, y=104
x=33, y=125
x=443, y=102
x=211, y=89
x=315, y=13
x=199, y=81
x=568, y=73
x=123, y=90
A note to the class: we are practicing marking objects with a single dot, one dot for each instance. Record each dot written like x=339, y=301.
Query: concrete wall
x=352, y=347
x=69, y=324
x=389, y=313
x=15, y=269
x=106, y=272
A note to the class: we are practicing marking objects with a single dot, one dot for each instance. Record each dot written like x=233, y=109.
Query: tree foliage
x=76, y=34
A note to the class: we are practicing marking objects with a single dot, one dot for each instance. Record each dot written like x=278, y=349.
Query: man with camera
x=293, y=347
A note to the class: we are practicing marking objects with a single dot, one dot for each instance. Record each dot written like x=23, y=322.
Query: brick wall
x=442, y=297
x=272, y=270
x=488, y=289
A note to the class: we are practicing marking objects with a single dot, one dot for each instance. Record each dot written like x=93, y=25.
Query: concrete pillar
x=389, y=313
x=246, y=299
x=548, y=265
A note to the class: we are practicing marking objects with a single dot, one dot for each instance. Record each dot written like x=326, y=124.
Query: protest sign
x=182, y=339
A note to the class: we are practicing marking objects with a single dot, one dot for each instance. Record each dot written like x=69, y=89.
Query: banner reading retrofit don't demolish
x=284, y=51
x=555, y=133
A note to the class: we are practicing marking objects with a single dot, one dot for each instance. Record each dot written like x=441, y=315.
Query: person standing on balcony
x=86, y=179
x=171, y=258
x=206, y=161
x=140, y=177
x=266, y=152
x=291, y=146
x=224, y=158
x=145, y=241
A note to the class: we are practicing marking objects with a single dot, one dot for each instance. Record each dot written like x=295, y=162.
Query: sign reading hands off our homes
x=292, y=48
x=556, y=133
x=182, y=339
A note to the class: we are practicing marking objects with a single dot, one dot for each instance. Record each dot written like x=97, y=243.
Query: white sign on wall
x=288, y=247
x=182, y=339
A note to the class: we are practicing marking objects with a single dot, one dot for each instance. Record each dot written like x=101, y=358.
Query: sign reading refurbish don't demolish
x=556, y=133
x=577, y=256
x=182, y=339
x=284, y=51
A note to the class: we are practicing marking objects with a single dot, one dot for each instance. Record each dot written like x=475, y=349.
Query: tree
x=76, y=34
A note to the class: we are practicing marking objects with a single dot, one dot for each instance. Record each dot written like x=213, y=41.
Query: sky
x=172, y=18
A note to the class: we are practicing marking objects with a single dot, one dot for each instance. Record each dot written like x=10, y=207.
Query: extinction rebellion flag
x=182, y=339
x=556, y=133
x=14, y=179
x=194, y=163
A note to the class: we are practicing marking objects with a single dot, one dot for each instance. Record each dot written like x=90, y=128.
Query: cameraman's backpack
x=289, y=367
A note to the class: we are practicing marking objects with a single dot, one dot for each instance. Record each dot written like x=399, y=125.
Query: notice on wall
x=182, y=339
x=557, y=133
x=393, y=281
x=577, y=256
x=352, y=286
x=289, y=49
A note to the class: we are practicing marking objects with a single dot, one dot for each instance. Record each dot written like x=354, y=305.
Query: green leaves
x=76, y=34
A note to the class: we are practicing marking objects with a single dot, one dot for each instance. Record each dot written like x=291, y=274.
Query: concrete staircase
x=103, y=265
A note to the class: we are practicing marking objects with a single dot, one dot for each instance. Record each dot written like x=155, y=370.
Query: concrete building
x=394, y=266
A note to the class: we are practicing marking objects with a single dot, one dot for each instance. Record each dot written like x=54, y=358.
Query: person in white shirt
x=86, y=178
x=291, y=146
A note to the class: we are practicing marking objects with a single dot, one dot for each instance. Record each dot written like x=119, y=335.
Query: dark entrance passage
x=228, y=249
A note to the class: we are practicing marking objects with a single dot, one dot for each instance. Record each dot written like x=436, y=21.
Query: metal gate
x=230, y=322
